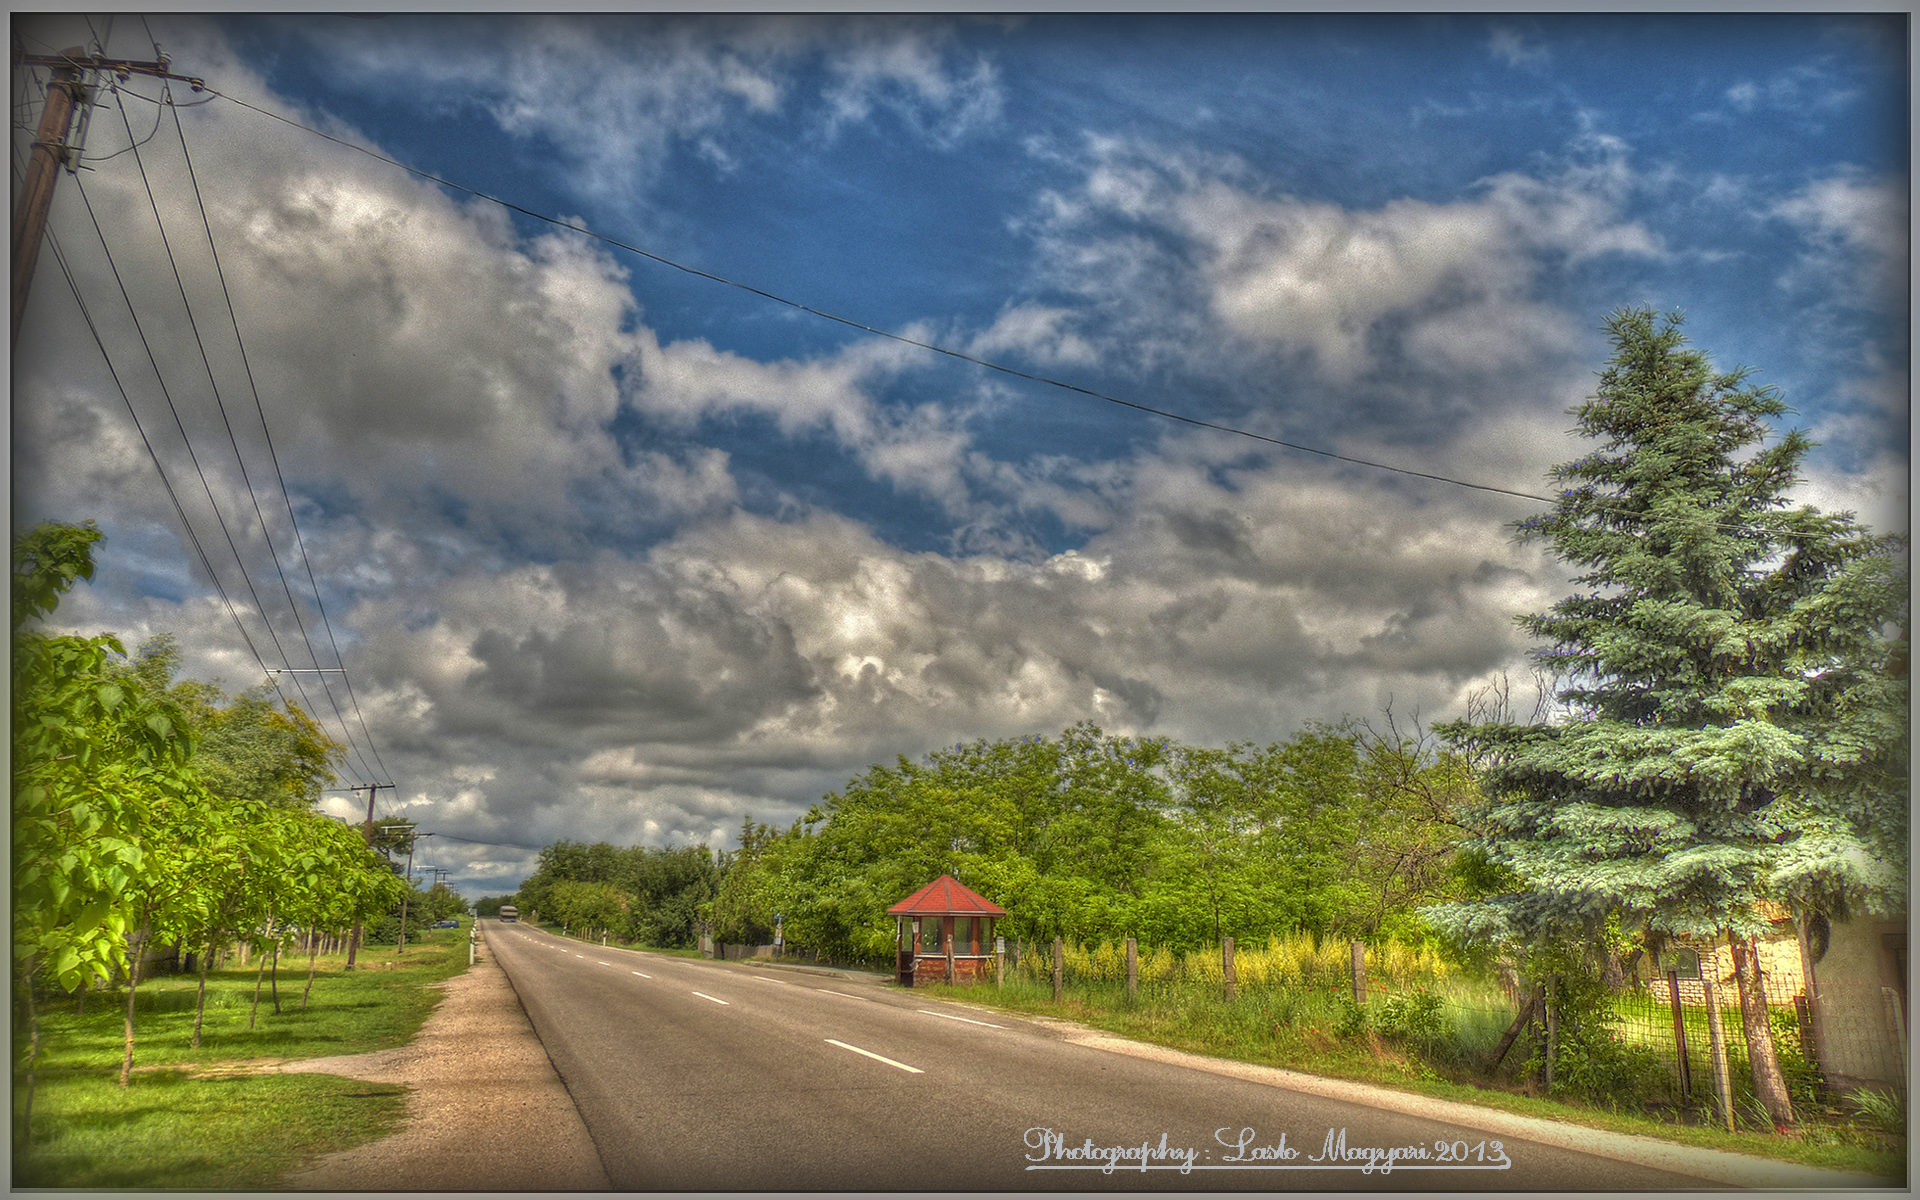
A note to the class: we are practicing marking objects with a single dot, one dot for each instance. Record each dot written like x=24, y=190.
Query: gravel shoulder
x=487, y=1112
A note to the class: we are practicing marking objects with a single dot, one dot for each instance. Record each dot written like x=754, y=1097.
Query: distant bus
x=509, y=913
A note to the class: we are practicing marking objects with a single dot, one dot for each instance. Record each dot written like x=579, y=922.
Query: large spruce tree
x=1734, y=686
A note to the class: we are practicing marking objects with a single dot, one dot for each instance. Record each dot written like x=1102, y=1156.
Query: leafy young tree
x=1735, y=713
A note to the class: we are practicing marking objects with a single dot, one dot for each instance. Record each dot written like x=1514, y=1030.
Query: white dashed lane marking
x=876, y=1057
x=715, y=999
x=968, y=1020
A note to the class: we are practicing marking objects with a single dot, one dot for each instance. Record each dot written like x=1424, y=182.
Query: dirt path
x=487, y=1112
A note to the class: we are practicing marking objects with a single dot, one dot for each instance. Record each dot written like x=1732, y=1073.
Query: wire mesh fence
x=1627, y=1045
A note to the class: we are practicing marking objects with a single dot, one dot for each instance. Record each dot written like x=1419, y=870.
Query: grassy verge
x=196, y=1118
x=1247, y=1031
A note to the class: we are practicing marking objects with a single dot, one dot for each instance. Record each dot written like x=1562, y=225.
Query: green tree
x=1734, y=677
x=247, y=747
x=100, y=767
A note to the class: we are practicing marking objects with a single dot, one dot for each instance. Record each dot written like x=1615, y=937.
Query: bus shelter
x=944, y=934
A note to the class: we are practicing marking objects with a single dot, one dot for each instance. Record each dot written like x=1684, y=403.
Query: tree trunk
x=1611, y=972
x=257, y=977
x=1769, y=1086
x=200, y=1004
x=139, y=944
x=313, y=953
x=33, y=1050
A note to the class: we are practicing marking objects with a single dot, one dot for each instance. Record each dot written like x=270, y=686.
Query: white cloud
x=1855, y=225
x=1516, y=49
x=1350, y=291
x=615, y=94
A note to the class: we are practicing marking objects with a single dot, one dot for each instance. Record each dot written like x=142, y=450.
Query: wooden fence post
x=1717, y=1046
x=1226, y=966
x=1059, y=969
x=1133, y=970
x=1680, y=1034
x=1553, y=1027
x=1360, y=974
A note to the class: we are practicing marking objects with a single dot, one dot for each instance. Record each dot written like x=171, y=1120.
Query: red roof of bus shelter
x=943, y=896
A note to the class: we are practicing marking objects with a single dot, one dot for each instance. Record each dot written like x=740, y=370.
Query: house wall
x=1860, y=1004
x=1780, y=965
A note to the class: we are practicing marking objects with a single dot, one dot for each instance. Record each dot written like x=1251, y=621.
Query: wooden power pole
x=66, y=90
x=366, y=831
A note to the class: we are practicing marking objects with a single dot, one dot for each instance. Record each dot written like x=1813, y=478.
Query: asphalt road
x=692, y=1075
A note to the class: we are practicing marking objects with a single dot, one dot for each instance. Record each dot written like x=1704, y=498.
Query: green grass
x=1300, y=1030
x=194, y=1117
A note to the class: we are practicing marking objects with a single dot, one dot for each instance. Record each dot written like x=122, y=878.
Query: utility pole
x=51, y=152
x=366, y=831
x=407, y=895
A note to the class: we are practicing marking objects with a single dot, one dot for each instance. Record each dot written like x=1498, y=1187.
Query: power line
x=239, y=458
x=186, y=521
x=948, y=351
x=279, y=476
x=193, y=326
x=902, y=338
x=86, y=315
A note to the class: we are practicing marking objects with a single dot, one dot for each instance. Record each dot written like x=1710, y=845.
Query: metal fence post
x=1059, y=969
x=1133, y=970
x=1717, y=1046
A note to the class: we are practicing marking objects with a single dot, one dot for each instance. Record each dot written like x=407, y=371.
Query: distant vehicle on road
x=509, y=913
x=449, y=923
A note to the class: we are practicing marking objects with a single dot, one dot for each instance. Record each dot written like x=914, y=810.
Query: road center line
x=643, y=975
x=715, y=999
x=831, y=992
x=877, y=1057
x=968, y=1020
x=604, y=964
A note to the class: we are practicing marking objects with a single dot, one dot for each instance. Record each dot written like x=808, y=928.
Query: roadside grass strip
x=968, y=1020
x=876, y=1057
x=210, y=1118
x=715, y=999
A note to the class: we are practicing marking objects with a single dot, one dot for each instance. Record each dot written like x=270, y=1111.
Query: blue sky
x=611, y=550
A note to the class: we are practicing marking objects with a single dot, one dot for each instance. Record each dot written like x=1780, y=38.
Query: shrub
x=1351, y=1020
x=1159, y=967
x=1592, y=1061
x=1416, y=1017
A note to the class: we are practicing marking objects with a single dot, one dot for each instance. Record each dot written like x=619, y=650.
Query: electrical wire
x=119, y=91
x=86, y=315
x=194, y=457
x=1602, y=510
x=897, y=337
x=193, y=326
x=166, y=99
x=279, y=475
